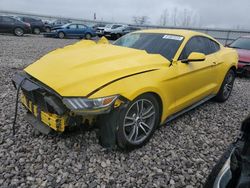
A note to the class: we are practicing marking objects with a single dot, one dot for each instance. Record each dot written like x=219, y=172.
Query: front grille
x=37, y=98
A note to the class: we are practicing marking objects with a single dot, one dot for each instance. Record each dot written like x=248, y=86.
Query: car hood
x=79, y=69
x=244, y=55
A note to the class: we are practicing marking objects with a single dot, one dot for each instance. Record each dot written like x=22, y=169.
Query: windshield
x=109, y=26
x=153, y=43
x=241, y=43
x=66, y=25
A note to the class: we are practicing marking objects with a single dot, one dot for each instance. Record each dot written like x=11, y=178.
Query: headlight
x=89, y=105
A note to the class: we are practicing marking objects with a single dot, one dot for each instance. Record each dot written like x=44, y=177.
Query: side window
x=81, y=26
x=7, y=19
x=193, y=45
x=210, y=46
x=215, y=46
x=116, y=26
x=73, y=26
x=28, y=20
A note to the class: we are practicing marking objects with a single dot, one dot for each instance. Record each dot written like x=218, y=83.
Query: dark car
x=47, y=25
x=72, y=30
x=11, y=25
x=233, y=169
x=242, y=45
x=37, y=26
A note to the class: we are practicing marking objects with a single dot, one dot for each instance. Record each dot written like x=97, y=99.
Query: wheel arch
x=88, y=33
x=159, y=100
x=158, y=97
x=234, y=69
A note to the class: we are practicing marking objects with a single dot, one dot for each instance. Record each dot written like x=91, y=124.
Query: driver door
x=71, y=30
x=196, y=80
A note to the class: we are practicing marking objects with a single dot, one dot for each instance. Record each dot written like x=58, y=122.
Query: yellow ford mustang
x=127, y=88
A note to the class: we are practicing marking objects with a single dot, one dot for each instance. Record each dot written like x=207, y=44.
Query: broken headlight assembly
x=92, y=106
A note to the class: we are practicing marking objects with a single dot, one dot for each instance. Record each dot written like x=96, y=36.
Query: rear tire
x=226, y=87
x=36, y=31
x=247, y=73
x=18, y=31
x=61, y=35
x=88, y=36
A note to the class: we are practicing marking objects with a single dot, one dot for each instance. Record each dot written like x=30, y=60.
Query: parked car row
x=36, y=25
x=61, y=28
x=13, y=25
x=20, y=25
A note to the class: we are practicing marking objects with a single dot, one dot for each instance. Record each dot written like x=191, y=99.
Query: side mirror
x=194, y=56
x=68, y=27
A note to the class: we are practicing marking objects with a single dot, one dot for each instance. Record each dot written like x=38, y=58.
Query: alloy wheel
x=61, y=35
x=19, y=31
x=139, y=121
x=228, y=85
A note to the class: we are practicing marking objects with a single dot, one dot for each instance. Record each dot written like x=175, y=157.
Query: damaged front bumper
x=54, y=121
x=47, y=106
x=43, y=103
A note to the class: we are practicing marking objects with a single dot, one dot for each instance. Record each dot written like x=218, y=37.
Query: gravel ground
x=181, y=154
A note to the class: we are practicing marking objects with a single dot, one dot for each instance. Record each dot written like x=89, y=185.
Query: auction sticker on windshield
x=173, y=37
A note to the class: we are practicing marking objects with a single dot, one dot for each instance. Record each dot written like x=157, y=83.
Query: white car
x=110, y=29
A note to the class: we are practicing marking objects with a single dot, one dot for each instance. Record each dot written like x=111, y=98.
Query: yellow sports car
x=127, y=88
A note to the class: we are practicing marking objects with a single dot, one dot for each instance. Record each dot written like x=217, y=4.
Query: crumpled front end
x=47, y=107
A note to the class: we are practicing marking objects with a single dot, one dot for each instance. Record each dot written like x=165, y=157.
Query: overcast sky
x=209, y=13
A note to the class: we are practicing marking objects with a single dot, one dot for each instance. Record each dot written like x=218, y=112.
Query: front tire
x=18, y=31
x=138, y=122
x=36, y=31
x=48, y=30
x=226, y=87
x=116, y=126
x=61, y=35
